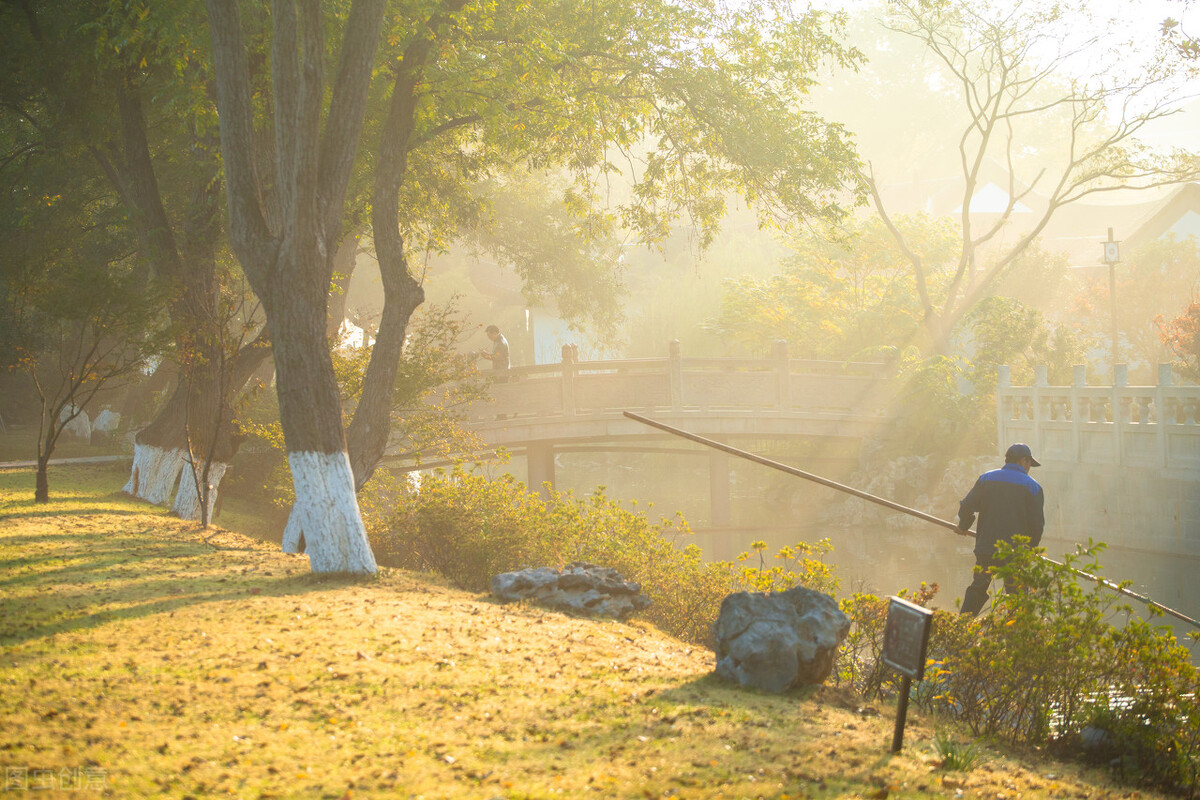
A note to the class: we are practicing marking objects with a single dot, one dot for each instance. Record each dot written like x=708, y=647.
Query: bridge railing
x=779, y=383
x=1143, y=426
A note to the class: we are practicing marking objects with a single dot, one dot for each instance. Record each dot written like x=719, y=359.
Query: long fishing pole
x=841, y=487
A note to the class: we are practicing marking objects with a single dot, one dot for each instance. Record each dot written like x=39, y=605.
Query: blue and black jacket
x=1009, y=503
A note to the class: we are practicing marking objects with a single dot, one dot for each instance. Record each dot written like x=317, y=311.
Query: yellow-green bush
x=1052, y=659
x=468, y=528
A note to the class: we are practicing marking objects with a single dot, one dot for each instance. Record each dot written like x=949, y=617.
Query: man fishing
x=1009, y=503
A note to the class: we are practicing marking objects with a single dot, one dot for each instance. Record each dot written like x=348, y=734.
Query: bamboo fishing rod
x=841, y=487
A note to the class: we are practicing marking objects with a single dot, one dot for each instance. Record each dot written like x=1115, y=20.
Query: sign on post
x=905, y=638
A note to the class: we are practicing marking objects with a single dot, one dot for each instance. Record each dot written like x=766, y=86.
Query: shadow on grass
x=89, y=554
x=295, y=585
x=54, y=509
x=138, y=576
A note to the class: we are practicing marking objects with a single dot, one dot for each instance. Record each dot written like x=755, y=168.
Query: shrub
x=801, y=564
x=1048, y=663
x=1043, y=666
x=860, y=661
x=468, y=528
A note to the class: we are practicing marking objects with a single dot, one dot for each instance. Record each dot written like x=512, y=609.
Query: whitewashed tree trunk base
x=155, y=473
x=187, y=502
x=326, y=515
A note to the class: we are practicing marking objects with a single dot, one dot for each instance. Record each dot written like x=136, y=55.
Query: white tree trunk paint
x=326, y=515
x=155, y=473
x=187, y=502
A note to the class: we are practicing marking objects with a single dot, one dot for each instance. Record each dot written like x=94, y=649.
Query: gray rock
x=778, y=640
x=579, y=587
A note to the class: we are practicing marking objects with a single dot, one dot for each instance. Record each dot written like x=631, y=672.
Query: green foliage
x=843, y=294
x=947, y=403
x=624, y=120
x=469, y=528
x=1060, y=655
x=956, y=756
x=566, y=255
x=1049, y=662
x=434, y=383
x=860, y=660
x=937, y=411
x=1004, y=331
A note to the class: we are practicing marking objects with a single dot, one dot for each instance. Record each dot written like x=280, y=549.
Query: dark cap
x=1017, y=452
x=491, y=329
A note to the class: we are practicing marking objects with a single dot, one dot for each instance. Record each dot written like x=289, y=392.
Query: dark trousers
x=977, y=593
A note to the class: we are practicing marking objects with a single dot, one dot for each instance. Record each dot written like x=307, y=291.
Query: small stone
x=579, y=587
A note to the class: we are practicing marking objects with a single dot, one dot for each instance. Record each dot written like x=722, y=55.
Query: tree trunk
x=367, y=436
x=324, y=522
x=160, y=451
x=187, y=503
x=284, y=233
x=402, y=294
x=42, y=493
x=155, y=472
x=162, y=445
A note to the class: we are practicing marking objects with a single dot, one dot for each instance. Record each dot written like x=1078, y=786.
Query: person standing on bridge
x=499, y=354
x=1009, y=503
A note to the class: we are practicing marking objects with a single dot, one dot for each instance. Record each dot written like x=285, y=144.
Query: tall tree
x=653, y=112
x=81, y=73
x=1049, y=92
x=74, y=314
x=693, y=101
x=285, y=226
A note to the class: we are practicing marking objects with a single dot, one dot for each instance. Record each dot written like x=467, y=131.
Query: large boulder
x=579, y=587
x=778, y=640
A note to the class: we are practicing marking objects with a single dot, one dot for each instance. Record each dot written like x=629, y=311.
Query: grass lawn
x=142, y=657
x=22, y=446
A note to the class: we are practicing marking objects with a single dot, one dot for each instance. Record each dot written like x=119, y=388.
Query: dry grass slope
x=138, y=658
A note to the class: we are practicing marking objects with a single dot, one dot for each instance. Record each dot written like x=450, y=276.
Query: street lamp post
x=1112, y=255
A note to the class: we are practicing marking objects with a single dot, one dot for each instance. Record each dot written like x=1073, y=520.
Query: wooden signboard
x=905, y=637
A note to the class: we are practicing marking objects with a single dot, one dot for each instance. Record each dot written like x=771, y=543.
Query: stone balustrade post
x=783, y=367
x=675, y=374
x=1039, y=404
x=570, y=355
x=1120, y=410
x=1003, y=404
x=1078, y=381
x=1160, y=412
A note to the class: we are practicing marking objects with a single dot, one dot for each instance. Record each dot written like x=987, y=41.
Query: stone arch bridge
x=574, y=405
